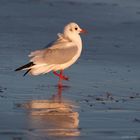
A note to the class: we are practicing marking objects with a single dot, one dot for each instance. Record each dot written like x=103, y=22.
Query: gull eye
x=76, y=28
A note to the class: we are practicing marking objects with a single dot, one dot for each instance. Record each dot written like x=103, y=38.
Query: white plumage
x=61, y=54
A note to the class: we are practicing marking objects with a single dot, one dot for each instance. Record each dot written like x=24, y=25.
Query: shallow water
x=101, y=100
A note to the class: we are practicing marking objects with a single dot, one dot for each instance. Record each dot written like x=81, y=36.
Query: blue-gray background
x=104, y=83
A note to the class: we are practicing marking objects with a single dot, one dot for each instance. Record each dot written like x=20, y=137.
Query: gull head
x=72, y=30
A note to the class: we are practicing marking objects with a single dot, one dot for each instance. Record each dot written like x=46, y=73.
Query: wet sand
x=101, y=100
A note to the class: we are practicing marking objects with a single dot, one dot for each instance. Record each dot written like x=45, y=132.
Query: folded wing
x=54, y=55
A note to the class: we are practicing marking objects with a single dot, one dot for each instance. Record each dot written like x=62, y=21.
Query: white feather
x=69, y=36
x=41, y=70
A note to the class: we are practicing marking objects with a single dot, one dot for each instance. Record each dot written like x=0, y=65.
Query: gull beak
x=83, y=31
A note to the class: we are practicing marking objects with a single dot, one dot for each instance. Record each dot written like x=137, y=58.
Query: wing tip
x=25, y=66
x=18, y=69
x=26, y=72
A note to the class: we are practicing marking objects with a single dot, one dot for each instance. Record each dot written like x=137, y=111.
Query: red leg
x=55, y=73
x=61, y=77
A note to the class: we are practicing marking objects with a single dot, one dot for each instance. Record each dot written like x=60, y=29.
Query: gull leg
x=60, y=79
x=61, y=75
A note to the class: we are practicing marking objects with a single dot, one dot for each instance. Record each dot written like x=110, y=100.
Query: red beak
x=83, y=31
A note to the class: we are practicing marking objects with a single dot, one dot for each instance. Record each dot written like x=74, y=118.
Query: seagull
x=59, y=54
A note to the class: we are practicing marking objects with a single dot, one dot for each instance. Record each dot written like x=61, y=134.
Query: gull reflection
x=55, y=117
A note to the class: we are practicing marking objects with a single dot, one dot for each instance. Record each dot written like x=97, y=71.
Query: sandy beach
x=102, y=99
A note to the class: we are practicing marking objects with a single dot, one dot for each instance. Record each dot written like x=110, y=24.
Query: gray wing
x=60, y=56
x=54, y=55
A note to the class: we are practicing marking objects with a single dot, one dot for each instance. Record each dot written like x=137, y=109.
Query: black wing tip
x=17, y=69
x=25, y=66
x=26, y=72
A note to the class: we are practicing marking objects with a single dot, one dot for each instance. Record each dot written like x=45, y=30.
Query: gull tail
x=34, y=69
x=41, y=69
x=27, y=72
x=27, y=66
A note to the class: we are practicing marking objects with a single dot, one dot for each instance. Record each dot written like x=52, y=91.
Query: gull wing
x=58, y=54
